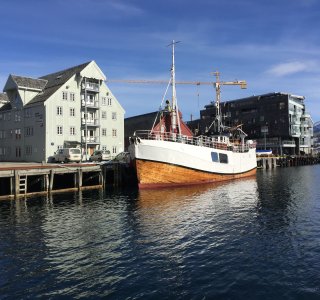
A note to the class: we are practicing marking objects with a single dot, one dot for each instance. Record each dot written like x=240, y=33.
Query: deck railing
x=204, y=141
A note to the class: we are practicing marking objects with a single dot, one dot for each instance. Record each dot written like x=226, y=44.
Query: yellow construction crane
x=217, y=84
x=158, y=81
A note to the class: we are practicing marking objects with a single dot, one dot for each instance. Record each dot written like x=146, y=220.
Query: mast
x=175, y=111
x=218, y=109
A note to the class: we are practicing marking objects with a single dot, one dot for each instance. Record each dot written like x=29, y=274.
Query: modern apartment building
x=277, y=121
x=69, y=108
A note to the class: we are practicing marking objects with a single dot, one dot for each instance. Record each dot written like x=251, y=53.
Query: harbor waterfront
x=254, y=238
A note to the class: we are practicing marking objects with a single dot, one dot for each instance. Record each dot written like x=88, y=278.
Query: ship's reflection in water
x=188, y=214
x=250, y=238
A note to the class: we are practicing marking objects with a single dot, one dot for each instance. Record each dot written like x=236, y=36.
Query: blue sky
x=274, y=45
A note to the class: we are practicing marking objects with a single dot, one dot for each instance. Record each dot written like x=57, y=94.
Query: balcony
x=91, y=86
x=295, y=133
x=90, y=103
x=90, y=122
x=304, y=146
x=305, y=124
x=288, y=144
x=91, y=139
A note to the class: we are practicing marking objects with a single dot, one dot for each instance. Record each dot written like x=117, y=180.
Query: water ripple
x=247, y=239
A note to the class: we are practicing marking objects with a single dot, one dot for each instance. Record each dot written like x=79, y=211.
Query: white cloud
x=289, y=68
x=126, y=8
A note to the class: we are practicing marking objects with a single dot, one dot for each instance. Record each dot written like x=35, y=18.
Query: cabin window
x=223, y=158
x=214, y=156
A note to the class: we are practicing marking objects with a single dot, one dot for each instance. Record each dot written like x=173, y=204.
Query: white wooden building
x=69, y=108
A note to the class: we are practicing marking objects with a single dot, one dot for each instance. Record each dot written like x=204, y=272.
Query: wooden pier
x=270, y=162
x=36, y=179
x=20, y=180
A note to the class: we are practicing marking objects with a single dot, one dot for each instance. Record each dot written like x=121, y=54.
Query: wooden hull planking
x=152, y=174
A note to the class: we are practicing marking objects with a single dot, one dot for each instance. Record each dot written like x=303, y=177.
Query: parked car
x=67, y=155
x=121, y=158
x=100, y=155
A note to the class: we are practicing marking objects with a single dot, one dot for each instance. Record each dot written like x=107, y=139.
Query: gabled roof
x=31, y=83
x=4, y=97
x=4, y=101
x=6, y=106
x=61, y=77
x=55, y=81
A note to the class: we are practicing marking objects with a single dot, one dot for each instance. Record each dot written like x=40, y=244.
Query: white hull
x=163, y=163
x=194, y=157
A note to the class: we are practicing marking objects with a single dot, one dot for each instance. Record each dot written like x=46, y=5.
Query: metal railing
x=285, y=142
x=90, y=103
x=90, y=122
x=91, y=139
x=91, y=86
x=204, y=141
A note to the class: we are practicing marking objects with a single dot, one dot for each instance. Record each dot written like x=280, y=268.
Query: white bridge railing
x=215, y=142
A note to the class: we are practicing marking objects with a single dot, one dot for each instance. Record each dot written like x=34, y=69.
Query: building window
x=104, y=148
x=18, y=152
x=2, y=151
x=2, y=134
x=72, y=130
x=72, y=97
x=104, y=101
x=59, y=130
x=103, y=114
x=18, y=133
x=28, y=150
x=27, y=112
x=10, y=133
x=114, y=116
x=114, y=132
x=64, y=96
x=17, y=116
x=28, y=131
x=72, y=112
x=114, y=149
x=104, y=131
x=109, y=101
x=59, y=110
x=282, y=105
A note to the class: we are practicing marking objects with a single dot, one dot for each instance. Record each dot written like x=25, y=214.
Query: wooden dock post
x=51, y=180
x=100, y=178
x=45, y=182
x=117, y=175
x=16, y=183
x=11, y=185
x=104, y=174
x=79, y=179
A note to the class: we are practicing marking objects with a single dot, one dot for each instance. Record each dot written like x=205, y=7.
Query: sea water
x=256, y=238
